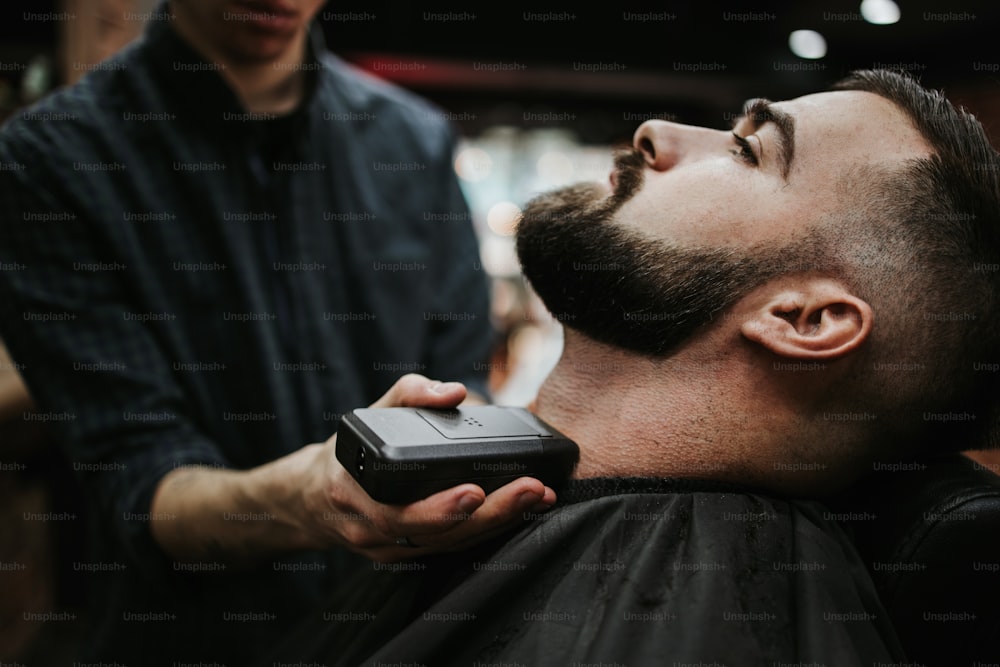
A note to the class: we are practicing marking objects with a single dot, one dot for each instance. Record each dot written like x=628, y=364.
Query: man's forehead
x=869, y=121
x=829, y=97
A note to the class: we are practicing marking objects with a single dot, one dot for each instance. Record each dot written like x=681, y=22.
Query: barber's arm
x=307, y=500
x=108, y=393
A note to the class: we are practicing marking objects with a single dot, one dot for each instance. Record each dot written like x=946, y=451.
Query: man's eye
x=743, y=150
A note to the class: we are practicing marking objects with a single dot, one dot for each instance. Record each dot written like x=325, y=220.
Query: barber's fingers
x=361, y=523
x=414, y=390
x=434, y=524
x=450, y=520
x=461, y=505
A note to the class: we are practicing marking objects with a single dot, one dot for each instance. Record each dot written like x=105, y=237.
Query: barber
x=223, y=238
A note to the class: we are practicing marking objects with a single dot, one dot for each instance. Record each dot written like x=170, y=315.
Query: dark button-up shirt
x=184, y=282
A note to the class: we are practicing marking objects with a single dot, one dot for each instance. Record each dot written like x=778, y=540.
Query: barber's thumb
x=414, y=390
x=441, y=394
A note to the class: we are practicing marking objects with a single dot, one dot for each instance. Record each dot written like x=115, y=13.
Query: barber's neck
x=274, y=86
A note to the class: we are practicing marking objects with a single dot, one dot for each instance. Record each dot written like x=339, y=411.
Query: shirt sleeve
x=99, y=378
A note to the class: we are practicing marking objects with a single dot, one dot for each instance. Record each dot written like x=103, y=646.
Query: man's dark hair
x=932, y=262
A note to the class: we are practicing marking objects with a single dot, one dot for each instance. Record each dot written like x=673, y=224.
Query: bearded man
x=732, y=303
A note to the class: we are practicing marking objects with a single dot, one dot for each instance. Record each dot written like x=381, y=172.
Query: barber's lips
x=268, y=15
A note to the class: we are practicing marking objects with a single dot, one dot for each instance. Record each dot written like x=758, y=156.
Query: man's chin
x=568, y=203
x=582, y=192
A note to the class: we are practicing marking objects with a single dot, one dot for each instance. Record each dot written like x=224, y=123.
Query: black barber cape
x=623, y=572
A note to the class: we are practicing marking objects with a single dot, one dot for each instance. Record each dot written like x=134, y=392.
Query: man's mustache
x=630, y=166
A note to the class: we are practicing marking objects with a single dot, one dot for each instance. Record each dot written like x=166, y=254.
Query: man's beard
x=616, y=287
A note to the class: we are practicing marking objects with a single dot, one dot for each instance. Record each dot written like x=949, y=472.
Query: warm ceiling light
x=503, y=217
x=807, y=44
x=880, y=12
x=473, y=164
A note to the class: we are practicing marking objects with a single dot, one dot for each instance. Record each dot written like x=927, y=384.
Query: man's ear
x=813, y=320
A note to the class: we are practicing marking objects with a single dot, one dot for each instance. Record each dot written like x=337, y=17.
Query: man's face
x=249, y=31
x=696, y=218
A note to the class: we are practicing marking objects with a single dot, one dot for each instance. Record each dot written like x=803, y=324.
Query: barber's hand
x=446, y=521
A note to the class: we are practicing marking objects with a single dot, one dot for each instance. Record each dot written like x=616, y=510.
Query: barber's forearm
x=233, y=516
x=307, y=500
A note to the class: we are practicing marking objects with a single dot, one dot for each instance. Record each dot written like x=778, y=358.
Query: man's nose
x=664, y=144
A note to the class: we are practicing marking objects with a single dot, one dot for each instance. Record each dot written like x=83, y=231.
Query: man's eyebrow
x=759, y=111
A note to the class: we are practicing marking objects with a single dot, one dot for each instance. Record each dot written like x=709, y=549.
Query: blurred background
x=539, y=97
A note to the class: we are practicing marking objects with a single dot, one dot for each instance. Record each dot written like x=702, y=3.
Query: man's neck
x=273, y=86
x=636, y=416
